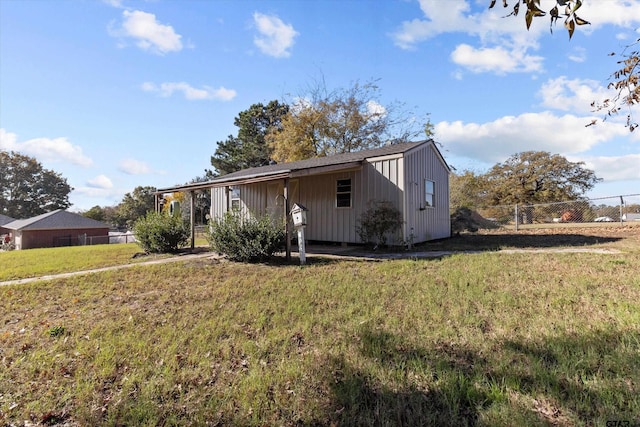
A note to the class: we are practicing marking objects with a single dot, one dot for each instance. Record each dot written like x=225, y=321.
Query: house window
x=235, y=198
x=343, y=193
x=429, y=193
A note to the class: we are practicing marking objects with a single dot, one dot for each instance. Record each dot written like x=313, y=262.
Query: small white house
x=337, y=189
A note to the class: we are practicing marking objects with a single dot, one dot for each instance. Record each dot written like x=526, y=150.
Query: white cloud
x=191, y=93
x=442, y=17
x=494, y=141
x=276, y=38
x=134, y=167
x=148, y=33
x=503, y=43
x=497, y=59
x=579, y=54
x=100, y=181
x=618, y=168
x=439, y=17
x=620, y=13
x=45, y=149
x=8, y=141
x=376, y=110
x=114, y=3
x=574, y=95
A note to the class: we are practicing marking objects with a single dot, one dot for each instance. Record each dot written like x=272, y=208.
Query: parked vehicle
x=603, y=219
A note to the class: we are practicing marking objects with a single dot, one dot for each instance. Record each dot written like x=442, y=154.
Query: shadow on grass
x=465, y=242
x=323, y=254
x=493, y=242
x=586, y=379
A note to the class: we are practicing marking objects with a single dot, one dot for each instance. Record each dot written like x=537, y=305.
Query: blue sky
x=115, y=94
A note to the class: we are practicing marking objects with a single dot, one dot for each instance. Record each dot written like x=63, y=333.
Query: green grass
x=471, y=339
x=45, y=261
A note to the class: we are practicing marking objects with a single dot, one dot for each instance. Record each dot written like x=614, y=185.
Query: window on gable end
x=343, y=193
x=429, y=193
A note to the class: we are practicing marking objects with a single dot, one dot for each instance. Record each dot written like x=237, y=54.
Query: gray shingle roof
x=59, y=219
x=309, y=164
x=315, y=162
x=5, y=220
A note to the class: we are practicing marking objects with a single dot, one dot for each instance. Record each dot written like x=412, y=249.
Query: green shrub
x=159, y=233
x=379, y=220
x=246, y=239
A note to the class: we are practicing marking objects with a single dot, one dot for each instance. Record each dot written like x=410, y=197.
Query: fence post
x=621, y=209
x=517, y=217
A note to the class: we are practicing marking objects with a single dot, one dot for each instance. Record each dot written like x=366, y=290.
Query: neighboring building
x=57, y=228
x=337, y=189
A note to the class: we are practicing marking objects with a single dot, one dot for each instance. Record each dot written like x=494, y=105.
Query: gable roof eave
x=301, y=167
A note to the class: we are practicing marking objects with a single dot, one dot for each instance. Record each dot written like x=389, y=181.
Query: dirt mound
x=464, y=219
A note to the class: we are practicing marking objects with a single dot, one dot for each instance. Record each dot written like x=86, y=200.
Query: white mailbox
x=299, y=215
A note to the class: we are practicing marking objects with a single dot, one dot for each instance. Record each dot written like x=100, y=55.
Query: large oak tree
x=537, y=177
x=28, y=189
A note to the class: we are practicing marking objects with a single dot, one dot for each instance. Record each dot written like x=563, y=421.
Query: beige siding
x=325, y=221
x=395, y=178
x=426, y=223
x=256, y=199
x=218, y=202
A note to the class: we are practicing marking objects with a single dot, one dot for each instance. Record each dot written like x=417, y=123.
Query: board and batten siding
x=252, y=199
x=397, y=178
x=383, y=182
x=326, y=221
x=426, y=223
x=218, y=202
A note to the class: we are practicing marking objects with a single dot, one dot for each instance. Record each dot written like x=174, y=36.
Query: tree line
x=318, y=123
x=321, y=122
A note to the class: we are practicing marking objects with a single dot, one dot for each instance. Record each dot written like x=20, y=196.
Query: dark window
x=343, y=193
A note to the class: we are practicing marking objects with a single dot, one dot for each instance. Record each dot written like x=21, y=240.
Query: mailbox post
x=299, y=216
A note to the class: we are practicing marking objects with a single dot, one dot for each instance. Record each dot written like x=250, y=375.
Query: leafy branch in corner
x=625, y=81
x=571, y=19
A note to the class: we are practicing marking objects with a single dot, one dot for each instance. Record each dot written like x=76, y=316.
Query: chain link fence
x=624, y=209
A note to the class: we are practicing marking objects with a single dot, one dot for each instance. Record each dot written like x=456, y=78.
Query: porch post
x=287, y=229
x=193, y=218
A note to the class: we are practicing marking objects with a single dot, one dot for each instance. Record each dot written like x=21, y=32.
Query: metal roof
x=55, y=220
x=311, y=166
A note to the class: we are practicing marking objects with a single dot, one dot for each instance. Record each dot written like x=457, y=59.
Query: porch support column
x=227, y=208
x=287, y=229
x=156, y=202
x=192, y=216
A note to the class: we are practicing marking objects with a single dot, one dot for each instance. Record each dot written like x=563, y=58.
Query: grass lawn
x=46, y=261
x=469, y=339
